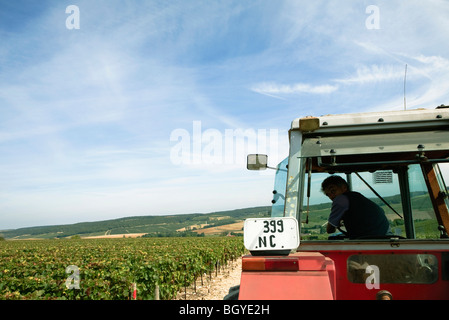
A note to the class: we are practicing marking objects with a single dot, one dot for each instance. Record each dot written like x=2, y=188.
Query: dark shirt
x=361, y=216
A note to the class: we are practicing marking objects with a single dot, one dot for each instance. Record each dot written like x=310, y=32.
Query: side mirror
x=257, y=162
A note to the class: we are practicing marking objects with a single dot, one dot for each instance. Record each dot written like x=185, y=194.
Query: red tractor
x=398, y=160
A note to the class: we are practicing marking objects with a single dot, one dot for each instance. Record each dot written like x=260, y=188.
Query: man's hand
x=330, y=228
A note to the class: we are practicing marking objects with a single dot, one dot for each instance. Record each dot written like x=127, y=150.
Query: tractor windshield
x=280, y=180
x=408, y=185
x=410, y=215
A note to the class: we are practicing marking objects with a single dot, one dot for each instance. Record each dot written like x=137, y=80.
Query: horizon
x=111, y=109
x=140, y=216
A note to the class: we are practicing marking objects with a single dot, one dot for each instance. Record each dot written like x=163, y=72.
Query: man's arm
x=339, y=206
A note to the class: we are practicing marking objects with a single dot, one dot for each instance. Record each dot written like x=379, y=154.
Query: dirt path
x=215, y=287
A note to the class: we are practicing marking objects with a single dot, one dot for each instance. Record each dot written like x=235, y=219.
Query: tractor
x=398, y=160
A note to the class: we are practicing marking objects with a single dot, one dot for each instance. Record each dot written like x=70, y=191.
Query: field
x=154, y=226
x=236, y=228
x=93, y=269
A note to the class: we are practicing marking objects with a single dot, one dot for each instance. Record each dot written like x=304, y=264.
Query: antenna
x=405, y=79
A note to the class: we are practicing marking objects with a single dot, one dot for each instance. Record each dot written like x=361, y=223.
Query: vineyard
x=109, y=269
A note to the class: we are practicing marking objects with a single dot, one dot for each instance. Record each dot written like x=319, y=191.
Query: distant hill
x=168, y=225
x=198, y=224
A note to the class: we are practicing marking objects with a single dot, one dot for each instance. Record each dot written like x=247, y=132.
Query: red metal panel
x=313, y=277
x=346, y=290
x=299, y=285
x=324, y=276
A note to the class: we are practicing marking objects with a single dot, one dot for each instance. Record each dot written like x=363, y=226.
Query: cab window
x=384, y=189
x=392, y=268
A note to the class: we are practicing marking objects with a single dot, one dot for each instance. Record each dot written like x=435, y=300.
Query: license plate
x=267, y=234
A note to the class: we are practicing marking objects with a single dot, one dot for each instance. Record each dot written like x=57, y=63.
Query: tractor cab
x=399, y=160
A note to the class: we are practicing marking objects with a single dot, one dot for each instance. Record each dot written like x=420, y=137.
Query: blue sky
x=93, y=120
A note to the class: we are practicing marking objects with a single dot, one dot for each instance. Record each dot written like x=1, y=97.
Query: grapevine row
x=106, y=268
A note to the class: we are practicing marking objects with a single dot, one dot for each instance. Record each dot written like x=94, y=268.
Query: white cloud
x=374, y=73
x=273, y=89
x=427, y=85
x=86, y=115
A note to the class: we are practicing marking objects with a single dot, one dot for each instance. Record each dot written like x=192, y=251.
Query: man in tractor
x=361, y=217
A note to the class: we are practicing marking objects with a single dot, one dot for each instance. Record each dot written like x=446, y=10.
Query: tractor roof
x=416, y=119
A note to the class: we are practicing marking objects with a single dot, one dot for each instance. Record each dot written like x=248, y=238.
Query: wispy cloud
x=275, y=89
x=433, y=89
x=426, y=82
x=86, y=115
x=374, y=73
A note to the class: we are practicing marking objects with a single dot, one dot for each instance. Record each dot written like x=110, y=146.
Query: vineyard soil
x=215, y=288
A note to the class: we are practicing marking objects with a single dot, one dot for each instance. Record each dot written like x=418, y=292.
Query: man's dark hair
x=333, y=180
